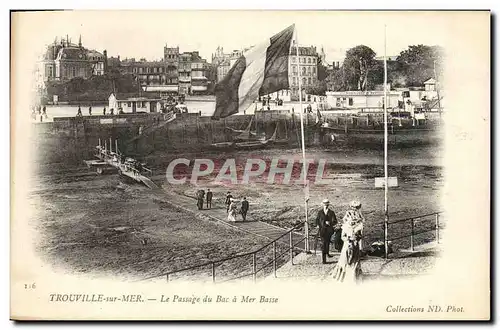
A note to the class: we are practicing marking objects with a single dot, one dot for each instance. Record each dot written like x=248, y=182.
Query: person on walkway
x=325, y=222
x=233, y=211
x=200, y=195
x=209, y=199
x=79, y=112
x=244, y=208
x=104, y=111
x=112, y=111
x=90, y=111
x=44, y=111
x=228, y=201
x=348, y=268
x=354, y=214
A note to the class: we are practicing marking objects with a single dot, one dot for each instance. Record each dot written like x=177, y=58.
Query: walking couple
x=347, y=237
x=232, y=208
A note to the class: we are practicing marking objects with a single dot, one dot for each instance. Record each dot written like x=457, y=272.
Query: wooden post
x=116, y=146
x=254, y=264
x=213, y=272
x=437, y=227
x=167, y=278
x=412, y=247
x=274, y=258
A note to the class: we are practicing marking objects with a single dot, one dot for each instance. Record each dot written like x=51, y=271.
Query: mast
x=437, y=89
x=304, y=164
x=386, y=186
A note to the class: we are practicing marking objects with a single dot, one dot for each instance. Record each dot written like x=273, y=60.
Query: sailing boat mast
x=437, y=89
x=304, y=164
x=386, y=208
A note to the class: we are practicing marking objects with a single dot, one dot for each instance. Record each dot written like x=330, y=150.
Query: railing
x=435, y=227
x=255, y=271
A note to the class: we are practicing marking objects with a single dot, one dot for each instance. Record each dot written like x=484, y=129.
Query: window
x=73, y=71
x=303, y=70
x=303, y=81
x=134, y=70
x=308, y=69
x=309, y=80
x=294, y=59
x=313, y=61
x=309, y=60
x=129, y=104
x=294, y=68
x=350, y=101
x=314, y=70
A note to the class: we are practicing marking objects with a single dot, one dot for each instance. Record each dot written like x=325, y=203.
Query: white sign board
x=392, y=181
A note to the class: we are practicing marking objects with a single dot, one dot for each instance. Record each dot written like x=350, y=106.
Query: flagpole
x=386, y=212
x=304, y=164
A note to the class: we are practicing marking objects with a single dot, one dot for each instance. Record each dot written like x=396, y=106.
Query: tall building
x=171, y=58
x=224, y=61
x=308, y=62
x=64, y=60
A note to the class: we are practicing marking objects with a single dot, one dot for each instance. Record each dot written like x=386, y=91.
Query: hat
x=355, y=204
x=326, y=202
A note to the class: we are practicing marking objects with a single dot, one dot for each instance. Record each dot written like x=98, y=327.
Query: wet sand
x=101, y=225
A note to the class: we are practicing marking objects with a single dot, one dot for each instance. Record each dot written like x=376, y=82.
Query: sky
x=140, y=34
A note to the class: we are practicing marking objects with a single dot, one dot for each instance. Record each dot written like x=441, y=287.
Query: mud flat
x=100, y=226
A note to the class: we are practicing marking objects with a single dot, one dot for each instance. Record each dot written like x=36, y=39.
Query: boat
x=402, y=130
x=223, y=145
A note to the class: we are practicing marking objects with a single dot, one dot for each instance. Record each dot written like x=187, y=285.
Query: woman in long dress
x=233, y=211
x=348, y=268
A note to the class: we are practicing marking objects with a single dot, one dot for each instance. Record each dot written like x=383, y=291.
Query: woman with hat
x=233, y=210
x=348, y=267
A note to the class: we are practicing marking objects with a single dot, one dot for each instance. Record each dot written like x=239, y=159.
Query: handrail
x=224, y=259
x=414, y=233
x=416, y=217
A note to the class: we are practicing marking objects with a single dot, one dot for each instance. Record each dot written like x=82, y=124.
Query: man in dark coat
x=244, y=208
x=326, y=221
x=209, y=199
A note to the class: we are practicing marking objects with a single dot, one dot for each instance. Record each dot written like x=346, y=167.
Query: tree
x=321, y=70
x=417, y=63
x=319, y=88
x=358, y=63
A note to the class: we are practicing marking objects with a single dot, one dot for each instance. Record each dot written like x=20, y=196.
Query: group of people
x=41, y=111
x=346, y=236
x=233, y=212
x=111, y=111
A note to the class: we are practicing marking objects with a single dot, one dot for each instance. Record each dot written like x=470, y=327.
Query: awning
x=162, y=88
x=198, y=88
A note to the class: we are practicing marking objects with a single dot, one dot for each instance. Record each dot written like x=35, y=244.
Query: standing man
x=104, y=111
x=244, y=208
x=228, y=201
x=325, y=221
x=90, y=111
x=209, y=199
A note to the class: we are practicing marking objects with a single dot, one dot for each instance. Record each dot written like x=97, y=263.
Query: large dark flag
x=260, y=71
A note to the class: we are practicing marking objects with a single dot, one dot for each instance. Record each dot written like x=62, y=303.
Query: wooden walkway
x=257, y=228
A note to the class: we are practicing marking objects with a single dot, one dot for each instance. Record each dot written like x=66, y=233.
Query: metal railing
x=435, y=227
x=291, y=247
